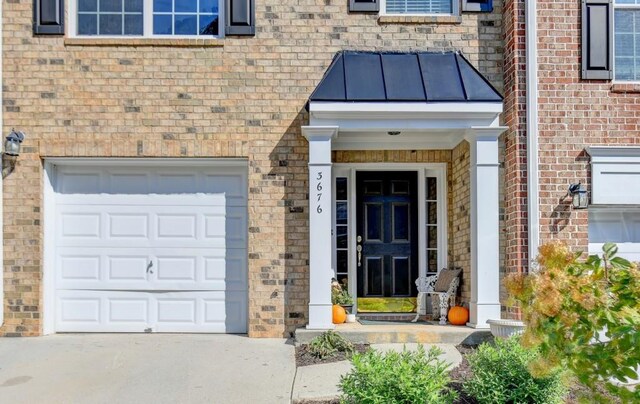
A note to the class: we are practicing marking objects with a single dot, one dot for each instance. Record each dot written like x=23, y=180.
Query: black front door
x=387, y=233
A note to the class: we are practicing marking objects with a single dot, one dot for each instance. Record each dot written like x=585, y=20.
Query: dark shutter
x=48, y=17
x=241, y=18
x=366, y=6
x=480, y=6
x=597, y=39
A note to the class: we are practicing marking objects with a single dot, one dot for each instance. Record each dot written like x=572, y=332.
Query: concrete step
x=421, y=332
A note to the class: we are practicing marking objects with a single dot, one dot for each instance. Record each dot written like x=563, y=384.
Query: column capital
x=312, y=133
x=476, y=133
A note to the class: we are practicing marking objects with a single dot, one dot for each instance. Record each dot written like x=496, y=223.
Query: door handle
x=149, y=266
x=359, y=250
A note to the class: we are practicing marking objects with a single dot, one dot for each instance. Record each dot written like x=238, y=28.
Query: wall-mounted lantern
x=579, y=198
x=11, y=152
x=12, y=143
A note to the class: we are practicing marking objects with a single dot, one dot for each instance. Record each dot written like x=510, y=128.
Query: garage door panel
x=176, y=268
x=226, y=272
x=127, y=268
x=172, y=225
x=161, y=268
x=151, y=248
x=128, y=225
x=80, y=225
x=134, y=311
x=159, y=226
x=80, y=268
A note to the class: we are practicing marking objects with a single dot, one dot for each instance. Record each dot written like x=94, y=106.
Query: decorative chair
x=444, y=285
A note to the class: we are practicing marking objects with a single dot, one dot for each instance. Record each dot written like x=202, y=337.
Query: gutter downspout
x=531, y=49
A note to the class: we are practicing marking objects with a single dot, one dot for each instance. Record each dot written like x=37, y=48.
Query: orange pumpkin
x=339, y=314
x=458, y=315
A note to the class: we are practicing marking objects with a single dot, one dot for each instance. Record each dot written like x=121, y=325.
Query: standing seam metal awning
x=403, y=77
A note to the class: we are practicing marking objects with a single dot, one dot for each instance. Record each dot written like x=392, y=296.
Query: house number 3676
x=319, y=192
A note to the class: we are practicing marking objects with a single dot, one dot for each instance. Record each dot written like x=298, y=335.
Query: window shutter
x=597, y=39
x=48, y=17
x=480, y=6
x=364, y=6
x=241, y=16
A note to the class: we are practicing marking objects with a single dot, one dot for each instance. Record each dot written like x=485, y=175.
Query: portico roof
x=421, y=77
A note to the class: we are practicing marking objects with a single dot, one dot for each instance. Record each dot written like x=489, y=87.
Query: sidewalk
x=320, y=382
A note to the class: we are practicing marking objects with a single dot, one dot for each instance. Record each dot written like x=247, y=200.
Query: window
x=431, y=193
x=147, y=17
x=627, y=40
x=342, y=231
x=419, y=7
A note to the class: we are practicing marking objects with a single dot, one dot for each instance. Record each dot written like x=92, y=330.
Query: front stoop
x=425, y=333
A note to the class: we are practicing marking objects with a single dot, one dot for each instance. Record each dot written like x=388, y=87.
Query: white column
x=320, y=224
x=485, y=238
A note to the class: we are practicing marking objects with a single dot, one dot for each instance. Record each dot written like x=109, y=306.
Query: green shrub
x=501, y=375
x=397, y=377
x=583, y=315
x=328, y=344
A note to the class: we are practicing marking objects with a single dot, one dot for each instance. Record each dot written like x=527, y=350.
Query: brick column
x=320, y=223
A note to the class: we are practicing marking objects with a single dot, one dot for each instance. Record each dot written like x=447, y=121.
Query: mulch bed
x=304, y=357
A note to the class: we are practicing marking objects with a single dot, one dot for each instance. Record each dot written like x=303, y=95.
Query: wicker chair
x=446, y=293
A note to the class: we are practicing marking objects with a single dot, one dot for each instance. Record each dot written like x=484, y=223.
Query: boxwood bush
x=397, y=377
x=501, y=375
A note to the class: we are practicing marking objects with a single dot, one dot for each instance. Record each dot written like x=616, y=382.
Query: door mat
x=387, y=304
x=388, y=322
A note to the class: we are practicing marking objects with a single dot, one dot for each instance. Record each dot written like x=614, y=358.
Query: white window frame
x=455, y=11
x=147, y=21
x=616, y=6
x=424, y=170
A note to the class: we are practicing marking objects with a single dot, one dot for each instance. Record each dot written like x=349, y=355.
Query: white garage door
x=616, y=225
x=151, y=249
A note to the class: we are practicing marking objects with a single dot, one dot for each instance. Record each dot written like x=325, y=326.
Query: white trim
x=533, y=196
x=147, y=24
x=455, y=108
x=48, y=258
x=614, y=154
x=146, y=161
x=438, y=170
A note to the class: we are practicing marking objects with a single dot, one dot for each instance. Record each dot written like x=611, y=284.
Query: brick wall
x=460, y=218
x=573, y=114
x=237, y=97
x=514, y=197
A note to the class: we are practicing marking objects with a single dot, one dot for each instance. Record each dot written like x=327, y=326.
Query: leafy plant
x=501, y=375
x=329, y=344
x=583, y=315
x=341, y=297
x=397, y=377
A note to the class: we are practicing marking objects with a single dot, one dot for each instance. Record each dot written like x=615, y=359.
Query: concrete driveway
x=145, y=368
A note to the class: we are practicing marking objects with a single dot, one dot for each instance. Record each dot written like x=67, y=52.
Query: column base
x=481, y=312
x=320, y=317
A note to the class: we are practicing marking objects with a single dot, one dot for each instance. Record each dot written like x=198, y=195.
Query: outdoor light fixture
x=12, y=143
x=11, y=151
x=578, y=196
x=393, y=133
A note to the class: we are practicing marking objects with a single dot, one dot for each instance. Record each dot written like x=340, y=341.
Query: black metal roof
x=403, y=77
